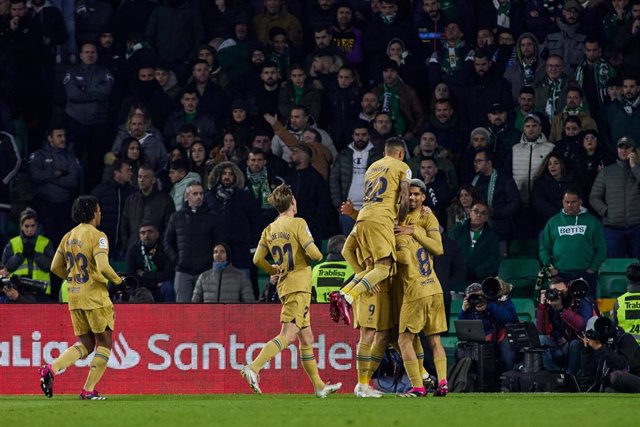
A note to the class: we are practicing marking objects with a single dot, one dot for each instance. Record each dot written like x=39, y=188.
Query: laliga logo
x=123, y=356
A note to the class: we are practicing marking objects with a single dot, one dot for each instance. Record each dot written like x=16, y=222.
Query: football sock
x=310, y=366
x=272, y=348
x=363, y=359
x=441, y=367
x=417, y=347
x=413, y=372
x=97, y=368
x=372, y=278
x=70, y=356
x=377, y=353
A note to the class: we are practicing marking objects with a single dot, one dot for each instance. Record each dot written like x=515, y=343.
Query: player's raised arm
x=404, y=201
x=58, y=266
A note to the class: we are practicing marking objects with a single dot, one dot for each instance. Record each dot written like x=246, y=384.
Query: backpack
x=391, y=376
x=462, y=376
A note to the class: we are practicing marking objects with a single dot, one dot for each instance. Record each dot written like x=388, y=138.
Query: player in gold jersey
x=82, y=259
x=386, y=186
x=422, y=308
x=290, y=243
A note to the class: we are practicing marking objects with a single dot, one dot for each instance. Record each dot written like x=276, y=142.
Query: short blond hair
x=281, y=198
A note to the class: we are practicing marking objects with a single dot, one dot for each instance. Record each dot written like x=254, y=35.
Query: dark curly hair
x=84, y=209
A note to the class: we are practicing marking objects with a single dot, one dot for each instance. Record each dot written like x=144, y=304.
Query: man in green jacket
x=572, y=244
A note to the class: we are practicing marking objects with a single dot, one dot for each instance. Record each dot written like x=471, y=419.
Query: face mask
x=219, y=265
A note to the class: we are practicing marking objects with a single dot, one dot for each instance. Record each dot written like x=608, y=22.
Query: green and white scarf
x=602, y=70
x=260, y=187
x=503, y=13
x=492, y=185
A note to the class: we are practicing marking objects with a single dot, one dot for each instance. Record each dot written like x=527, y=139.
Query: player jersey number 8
x=424, y=262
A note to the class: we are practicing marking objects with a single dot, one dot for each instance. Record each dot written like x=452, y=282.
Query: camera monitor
x=470, y=330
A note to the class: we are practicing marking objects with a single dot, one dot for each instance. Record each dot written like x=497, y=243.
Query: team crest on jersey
x=102, y=243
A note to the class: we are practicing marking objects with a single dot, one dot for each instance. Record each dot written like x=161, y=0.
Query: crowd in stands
x=522, y=118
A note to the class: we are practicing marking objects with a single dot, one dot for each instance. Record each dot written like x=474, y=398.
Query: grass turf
x=509, y=410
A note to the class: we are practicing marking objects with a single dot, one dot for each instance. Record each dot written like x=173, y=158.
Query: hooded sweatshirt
x=573, y=242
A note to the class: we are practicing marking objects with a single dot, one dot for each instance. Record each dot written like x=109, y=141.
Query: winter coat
x=314, y=201
x=207, y=129
x=228, y=285
x=263, y=22
x=621, y=123
x=88, y=88
x=483, y=259
x=514, y=71
x=573, y=243
x=505, y=203
x=410, y=106
x=482, y=92
x=557, y=124
x=568, y=43
x=43, y=165
x=547, y=195
x=10, y=162
x=344, y=107
x=280, y=149
x=186, y=32
x=189, y=239
x=239, y=215
x=311, y=98
x=156, y=208
x=615, y=195
x=342, y=174
x=164, y=270
x=155, y=154
x=525, y=163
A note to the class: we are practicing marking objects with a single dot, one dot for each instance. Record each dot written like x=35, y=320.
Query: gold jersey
x=286, y=239
x=382, y=189
x=87, y=286
x=415, y=269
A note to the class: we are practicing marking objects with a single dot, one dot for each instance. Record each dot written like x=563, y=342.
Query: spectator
x=175, y=47
x=111, y=195
x=189, y=240
x=311, y=193
x=223, y=283
x=572, y=243
x=526, y=106
x=500, y=193
x=593, y=74
x=553, y=179
x=56, y=177
x=615, y=196
x=484, y=88
x=438, y=193
x=275, y=14
x=551, y=87
x=574, y=107
x=147, y=262
x=399, y=100
x=268, y=90
x=347, y=37
x=90, y=17
x=502, y=135
x=212, y=100
x=260, y=183
x=458, y=212
x=430, y=29
x=450, y=269
x=88, y=88
x=10, y=161
x=568, y=43
x=561, y=321
x=130, y=152
x=428, y=148
x=502, y=14
x=241, y=122
x=299, y=122
x=168, y=81
x=146, y=205
x=153, y=148
x=589, y=160
x=522, y=72
x=571, y=139
x=344, y=106
x=494, y=315
x=300, y=91
x=275, y=164
x=228, y=199
x=198, y=160
x=369, y=106
x=448, y=127
x=347, y=174
x=623, y=114
x=30, y=253
x=478, y=243
x=190, y=114
x=181, y=178
x=229, y=150
x=388, y=24
x=281, y=51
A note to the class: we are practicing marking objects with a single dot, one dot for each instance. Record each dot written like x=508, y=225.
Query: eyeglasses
x=479, y=212
x=476, y=161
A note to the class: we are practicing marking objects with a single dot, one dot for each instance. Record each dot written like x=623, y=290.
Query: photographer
x=29, y=254
x=561, y=318
x=495, y=313
x=611, y=356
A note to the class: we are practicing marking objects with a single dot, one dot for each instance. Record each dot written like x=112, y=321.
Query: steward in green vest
x=332, y=274
x=627, y=307
x=29, y=254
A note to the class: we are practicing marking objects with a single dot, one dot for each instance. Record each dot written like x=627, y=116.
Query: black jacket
x=622, y=355
x=547, y=195
x=450, y=267
x=161, y=269
x=505, y=203
x=190, y=236
x=314, y=202
x=439, y=196
x=112, y=197
x=157, y=208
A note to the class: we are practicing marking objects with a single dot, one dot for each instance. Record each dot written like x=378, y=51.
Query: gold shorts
x=375, y=240
x=373, y=311
x=424, y=314
x=97, y=320
x=295, y=308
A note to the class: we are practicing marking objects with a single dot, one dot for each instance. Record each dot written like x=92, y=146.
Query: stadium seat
x=523, y=248
x=525, y=309
x=612, y=270
x=612, y=287
x=521, y=273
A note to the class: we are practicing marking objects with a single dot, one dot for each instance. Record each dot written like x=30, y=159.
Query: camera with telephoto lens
x=494, y=288
x=24, y=284
x=578, y=288
x=475, y=300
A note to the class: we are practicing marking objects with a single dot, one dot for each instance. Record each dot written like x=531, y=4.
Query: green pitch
x=468, y=410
